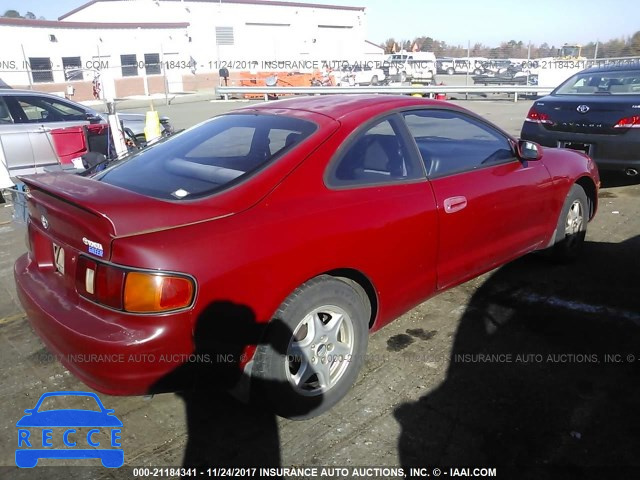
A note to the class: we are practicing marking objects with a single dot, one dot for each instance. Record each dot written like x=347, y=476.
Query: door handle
x=455, y=204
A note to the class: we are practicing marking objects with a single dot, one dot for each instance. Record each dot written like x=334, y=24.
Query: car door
x=378, y=183
x=43, y=114
x=16, y=141
x=492, y=207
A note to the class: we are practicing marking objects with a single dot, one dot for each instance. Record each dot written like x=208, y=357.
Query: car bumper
x=112, y=352
x=610, y=152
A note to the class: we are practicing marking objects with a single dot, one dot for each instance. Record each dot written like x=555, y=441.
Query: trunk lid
x=87, y=215
x=594, y=114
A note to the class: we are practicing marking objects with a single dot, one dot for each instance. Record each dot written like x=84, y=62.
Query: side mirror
x=93, y=118
x=528, y=150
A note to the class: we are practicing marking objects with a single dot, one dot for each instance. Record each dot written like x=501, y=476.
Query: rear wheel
x=314, y=349
x=572, y=225
x=450, y=71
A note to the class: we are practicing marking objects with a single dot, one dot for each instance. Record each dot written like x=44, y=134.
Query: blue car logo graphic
x=36, y=433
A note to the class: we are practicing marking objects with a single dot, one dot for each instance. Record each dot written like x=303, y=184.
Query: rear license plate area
x=58, y=258
x=578, y=146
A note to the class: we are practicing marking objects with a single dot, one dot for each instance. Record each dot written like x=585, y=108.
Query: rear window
x=208, y=157
x=602, y=83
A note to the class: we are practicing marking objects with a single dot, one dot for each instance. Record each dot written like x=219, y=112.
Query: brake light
x=132, y=291
x=628, y=122
x=537, y=117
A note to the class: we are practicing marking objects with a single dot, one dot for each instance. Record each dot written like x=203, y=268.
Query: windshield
x=208, y=157
x=607, y=83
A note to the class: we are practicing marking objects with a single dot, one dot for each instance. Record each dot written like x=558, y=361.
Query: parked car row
x=478, y=65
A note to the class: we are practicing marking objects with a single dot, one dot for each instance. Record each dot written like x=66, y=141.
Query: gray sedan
x=27, y=117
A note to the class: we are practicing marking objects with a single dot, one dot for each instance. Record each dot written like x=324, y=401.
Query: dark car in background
x=596, y=111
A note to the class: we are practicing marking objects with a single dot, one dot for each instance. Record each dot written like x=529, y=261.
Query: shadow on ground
x=222, y=430
x=530, y=384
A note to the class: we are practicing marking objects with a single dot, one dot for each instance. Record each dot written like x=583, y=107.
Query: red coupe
x=271, y=240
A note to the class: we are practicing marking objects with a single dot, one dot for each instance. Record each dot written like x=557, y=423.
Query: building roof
x=240, y=2
x=23, y=22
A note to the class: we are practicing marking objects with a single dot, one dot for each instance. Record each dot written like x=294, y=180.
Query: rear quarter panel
x=568, y=167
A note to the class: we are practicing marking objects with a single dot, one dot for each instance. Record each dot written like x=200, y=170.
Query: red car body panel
x=256, y=242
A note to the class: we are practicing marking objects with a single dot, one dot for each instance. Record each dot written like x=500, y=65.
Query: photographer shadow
x=228, y=424
x=539, y=374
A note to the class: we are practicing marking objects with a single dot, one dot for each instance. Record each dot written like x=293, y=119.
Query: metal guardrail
x=431, y=90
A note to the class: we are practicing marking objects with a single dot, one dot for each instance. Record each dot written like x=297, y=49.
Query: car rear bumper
x=112, y=352
x=610, y=152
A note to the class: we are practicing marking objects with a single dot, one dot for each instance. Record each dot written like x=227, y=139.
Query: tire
x=477, y=71
x=374, y=80
x=403, y=77
x=302, y=368
x=141, y=140
x=572, y=226
x=450, y=71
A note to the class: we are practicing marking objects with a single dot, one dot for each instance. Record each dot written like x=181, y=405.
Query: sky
x=488, y=22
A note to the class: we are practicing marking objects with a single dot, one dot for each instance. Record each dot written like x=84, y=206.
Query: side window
x=376, y=156
x=452, y=142
x=5, y=116
x=41, y=109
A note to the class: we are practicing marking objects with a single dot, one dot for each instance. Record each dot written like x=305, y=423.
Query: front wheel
x=314, y=348
x=572, y=225
x=374, y=80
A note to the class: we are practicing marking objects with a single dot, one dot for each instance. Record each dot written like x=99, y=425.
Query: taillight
x=628, y=122
x=537, y=117
x=132, y=291
x=144, y=292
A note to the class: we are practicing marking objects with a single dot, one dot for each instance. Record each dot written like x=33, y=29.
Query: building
x=66, y=57
x=148, y=46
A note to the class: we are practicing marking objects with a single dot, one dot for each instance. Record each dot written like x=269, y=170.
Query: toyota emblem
x=45, y=222
x=583, y=108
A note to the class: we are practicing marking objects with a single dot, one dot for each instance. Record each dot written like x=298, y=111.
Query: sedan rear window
x=625, y=82
x=208, y=157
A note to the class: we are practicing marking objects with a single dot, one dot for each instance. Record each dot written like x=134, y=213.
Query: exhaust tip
x=631, y=172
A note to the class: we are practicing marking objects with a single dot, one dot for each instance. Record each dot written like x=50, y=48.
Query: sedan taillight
x=132, y=291
x=537, y=117
x=628, y=122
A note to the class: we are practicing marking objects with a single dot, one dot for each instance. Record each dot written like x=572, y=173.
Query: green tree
x=12, y=14
x=388, y=45
x=635, y=43
x=30, y=15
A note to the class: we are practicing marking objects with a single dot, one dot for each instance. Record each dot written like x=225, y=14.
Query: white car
x=411, y=66
x=362, y=75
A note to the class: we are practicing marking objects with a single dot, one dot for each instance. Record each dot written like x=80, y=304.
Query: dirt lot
x=531, y=369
